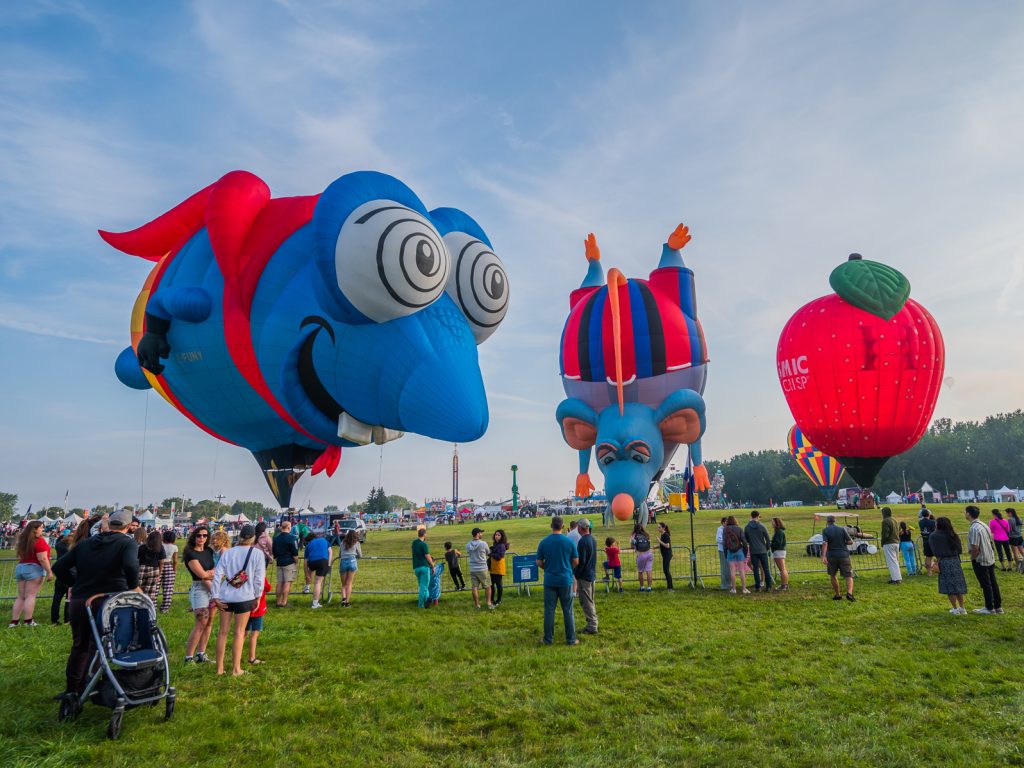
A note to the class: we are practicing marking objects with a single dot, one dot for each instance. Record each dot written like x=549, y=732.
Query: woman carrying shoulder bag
x=237, y=587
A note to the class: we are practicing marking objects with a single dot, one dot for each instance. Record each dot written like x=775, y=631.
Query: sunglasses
x=202, y=535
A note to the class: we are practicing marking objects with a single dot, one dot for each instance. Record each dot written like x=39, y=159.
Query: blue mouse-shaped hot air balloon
x=296, y=326
x=634, y=364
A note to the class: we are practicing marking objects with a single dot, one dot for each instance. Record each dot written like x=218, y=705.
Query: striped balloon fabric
x=823, y=470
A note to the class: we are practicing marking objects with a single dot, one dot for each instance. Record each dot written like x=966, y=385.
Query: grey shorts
x=843, y=566
x=198, y=596
x=480, y=579
x=287, y=573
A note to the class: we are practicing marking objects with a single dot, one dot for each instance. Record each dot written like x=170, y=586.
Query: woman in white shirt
x=237, y=586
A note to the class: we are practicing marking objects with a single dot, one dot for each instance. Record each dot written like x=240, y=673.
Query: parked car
x=347, y=524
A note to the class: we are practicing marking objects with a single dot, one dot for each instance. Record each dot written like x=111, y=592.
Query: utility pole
x=455, y=479
x=515, y=491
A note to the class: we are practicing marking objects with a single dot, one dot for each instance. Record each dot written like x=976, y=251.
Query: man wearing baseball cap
x=477, y=551
x=107, y=562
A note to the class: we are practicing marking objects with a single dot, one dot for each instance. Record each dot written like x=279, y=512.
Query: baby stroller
x=434, y=587
x=130, y=667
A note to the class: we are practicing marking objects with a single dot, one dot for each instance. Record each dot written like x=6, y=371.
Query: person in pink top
x=1001, y=535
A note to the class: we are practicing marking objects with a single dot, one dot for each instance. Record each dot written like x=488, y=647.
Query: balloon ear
x=578, y=422
x=680, y=417
x=578, y=434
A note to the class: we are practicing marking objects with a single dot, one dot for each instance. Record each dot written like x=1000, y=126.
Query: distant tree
x=400, y=502
x=252, y=509
x=331, y=509
x=8, y=501
x=208, y=509
x=951, y=455
x=100, y=510
x=356, y=508
x=376, y=502
x=55, y=512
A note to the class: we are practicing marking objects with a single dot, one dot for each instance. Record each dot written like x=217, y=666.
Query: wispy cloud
x=23, y=326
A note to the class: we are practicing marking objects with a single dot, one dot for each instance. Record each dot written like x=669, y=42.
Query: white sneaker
x=982, y=611
x=955, y=611
x=997, y=610
x=732, y=591
x=962, y=611
x=316, y=604
x=305, y=590
x=746, y=591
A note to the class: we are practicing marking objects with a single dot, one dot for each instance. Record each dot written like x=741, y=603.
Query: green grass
x=683, y=678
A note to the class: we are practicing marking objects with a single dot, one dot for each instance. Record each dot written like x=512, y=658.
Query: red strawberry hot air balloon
x=861, y=368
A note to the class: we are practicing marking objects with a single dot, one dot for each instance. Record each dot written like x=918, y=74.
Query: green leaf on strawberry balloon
x=868, y=285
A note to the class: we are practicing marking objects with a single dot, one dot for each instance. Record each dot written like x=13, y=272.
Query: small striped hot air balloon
x=824, y=471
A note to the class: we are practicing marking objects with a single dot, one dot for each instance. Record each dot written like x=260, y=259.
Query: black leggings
x=1001, y=547
x=496, y=588
x=456, y=573
x=666, y=564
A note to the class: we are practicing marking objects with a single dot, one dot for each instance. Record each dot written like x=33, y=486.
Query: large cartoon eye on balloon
x=478, y=285
x=409, y=265
x=861, y=368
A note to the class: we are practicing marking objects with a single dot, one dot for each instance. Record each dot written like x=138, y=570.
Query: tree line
x=951, y=456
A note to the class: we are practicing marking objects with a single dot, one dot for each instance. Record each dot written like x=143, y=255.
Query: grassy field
x=674, y=678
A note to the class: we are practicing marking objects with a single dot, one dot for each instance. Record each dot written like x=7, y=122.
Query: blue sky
x=786, y=135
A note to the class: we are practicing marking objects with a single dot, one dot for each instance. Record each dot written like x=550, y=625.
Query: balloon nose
x=444, y=400
x=622, y=506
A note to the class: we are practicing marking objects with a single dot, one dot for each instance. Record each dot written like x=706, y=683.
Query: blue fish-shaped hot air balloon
x=296, y=326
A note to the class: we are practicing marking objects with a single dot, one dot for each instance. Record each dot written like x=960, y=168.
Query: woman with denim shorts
x=347, y=565
x=641, y=543
x=198, y=559
x=735, y=541
x=33, y=565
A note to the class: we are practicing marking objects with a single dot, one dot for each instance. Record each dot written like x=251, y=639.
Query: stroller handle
x=88, y=601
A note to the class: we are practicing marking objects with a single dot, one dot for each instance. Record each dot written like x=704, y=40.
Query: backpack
x=641, y=543
x=733, y=543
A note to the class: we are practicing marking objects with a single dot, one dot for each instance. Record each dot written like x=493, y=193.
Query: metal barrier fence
x=394, y=575
x=385, y=576
x=803, y=557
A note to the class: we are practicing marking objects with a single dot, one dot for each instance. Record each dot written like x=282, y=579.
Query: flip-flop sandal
x=255, y=661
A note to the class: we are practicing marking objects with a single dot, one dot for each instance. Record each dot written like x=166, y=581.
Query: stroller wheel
x=114, y=729
x=169, y=707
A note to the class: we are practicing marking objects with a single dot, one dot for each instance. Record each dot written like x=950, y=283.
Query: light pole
x=515, y=492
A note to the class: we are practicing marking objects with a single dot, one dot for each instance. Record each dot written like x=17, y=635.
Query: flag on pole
x=66, y=502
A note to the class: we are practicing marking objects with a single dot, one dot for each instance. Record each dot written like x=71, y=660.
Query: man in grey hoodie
x=477, y=550
x=760, y=544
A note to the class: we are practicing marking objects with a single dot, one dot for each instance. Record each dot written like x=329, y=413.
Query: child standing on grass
x=451, y=557
x=611, y=551
x=220, y=543
x=255, y=624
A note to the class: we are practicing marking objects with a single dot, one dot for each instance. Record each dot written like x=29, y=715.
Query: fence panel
x=394, y=576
